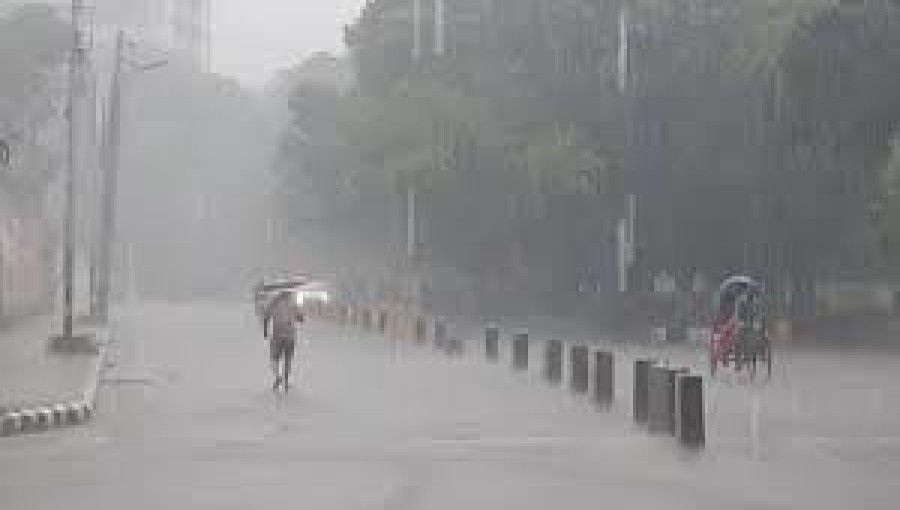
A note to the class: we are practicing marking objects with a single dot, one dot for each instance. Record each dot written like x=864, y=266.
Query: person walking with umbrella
x=279, y=327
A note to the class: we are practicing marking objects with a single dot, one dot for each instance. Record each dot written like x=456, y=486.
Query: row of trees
x=757, y=135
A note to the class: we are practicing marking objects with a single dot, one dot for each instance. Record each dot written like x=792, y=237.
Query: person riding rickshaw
x=739, y=332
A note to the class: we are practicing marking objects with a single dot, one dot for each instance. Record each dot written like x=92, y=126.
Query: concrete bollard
x=553, y=362
x=382, y=321
x=73, y=414
x=520, y=351
x=390, y=326
x=44, y=418
x=604, y=379
x=403, y=326
x=59, y=415
x=452, y=344
x=421, y=330
x=580, y=378
x=440, y=334
x=10, y=424
x=690, y=412
x=29, y=420
x=657, y=399
x=641, y=389
x=492, y=343
x=409, y=327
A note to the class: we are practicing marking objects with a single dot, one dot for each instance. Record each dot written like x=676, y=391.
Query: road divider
x=666, y=400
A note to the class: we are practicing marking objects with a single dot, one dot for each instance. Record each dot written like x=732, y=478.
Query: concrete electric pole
x=81, y=43
x=111, y=169
x=110, y=180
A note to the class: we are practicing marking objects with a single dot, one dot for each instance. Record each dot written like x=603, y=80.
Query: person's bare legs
x=288, y=353
x=275, y=358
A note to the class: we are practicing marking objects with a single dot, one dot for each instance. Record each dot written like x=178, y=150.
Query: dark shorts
x=281, y=348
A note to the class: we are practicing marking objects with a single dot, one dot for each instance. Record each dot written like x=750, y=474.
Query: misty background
x=757, y=137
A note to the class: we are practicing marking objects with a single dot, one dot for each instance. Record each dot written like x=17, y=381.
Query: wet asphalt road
x=187, y=420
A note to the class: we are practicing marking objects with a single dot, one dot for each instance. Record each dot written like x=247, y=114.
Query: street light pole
x=110, y=180
x=111, y=172
x=625, y=229
x=76, y=71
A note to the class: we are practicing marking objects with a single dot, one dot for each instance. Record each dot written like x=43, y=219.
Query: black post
x=421, y=330
x=580, y=369
x=453, y=343
x=382, y=321
x=520, y=351
x=691, y=430
x=553, y=362
x=440, y=334
x=367, y=319
x=110, y=182
x=604, y=378
x=641, y=388
x=492, y=343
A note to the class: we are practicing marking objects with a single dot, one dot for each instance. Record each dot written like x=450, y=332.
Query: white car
x=304, y=289
x=313, y=291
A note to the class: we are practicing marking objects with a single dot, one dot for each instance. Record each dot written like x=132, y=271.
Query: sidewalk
x=33, y=378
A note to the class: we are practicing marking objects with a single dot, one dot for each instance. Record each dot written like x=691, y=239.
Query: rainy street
x=188, y=421
x=521, y=254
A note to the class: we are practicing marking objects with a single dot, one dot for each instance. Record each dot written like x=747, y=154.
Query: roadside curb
x=49, y=416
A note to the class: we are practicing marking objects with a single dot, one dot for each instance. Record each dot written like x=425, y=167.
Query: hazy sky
x=253, y=38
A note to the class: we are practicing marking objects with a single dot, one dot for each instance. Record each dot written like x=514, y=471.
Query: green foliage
x=757, y=129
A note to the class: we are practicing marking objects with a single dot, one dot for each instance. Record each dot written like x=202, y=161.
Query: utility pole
x=417, y=31
x=81, y=43
x=439, y=28
x=411, y=223
x=625, y=237
x=76, y=81
x=110, y=180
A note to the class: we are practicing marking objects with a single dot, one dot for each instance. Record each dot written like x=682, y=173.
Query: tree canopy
x=755, y=134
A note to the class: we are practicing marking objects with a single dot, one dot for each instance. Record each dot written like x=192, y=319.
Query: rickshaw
x=739, y=333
